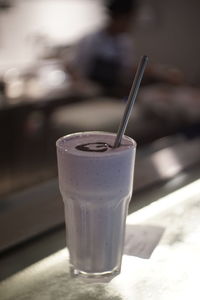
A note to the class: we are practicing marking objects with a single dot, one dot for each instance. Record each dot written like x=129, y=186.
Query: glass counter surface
x=172, y=271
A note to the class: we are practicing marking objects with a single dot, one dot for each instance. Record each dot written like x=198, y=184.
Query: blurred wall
x=32, y=24
x=167, y=30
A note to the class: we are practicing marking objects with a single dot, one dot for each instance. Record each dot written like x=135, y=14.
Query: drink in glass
x=96, y=182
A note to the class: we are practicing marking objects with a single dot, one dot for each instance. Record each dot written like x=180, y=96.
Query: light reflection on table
x=172, y=272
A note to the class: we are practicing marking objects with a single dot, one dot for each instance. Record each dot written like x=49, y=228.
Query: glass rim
x=81, y=133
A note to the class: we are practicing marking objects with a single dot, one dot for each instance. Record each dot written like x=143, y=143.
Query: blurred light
x=10, y=74
x=166, y=203
x=176, y=181
x=14, y=89
x=166, y=163
x=34, y=89
x=50, y=76
x=56, y=77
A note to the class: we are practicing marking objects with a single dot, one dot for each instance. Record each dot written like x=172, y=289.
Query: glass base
x=102, y=277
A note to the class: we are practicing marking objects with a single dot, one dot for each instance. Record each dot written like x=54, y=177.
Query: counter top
x=170, y=272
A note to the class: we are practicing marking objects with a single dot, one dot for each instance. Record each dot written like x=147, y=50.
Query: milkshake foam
x=96, y=185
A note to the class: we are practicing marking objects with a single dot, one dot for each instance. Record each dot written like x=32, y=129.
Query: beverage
x=96, y=185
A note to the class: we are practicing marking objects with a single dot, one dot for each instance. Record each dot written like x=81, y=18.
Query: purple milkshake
x=95, y=181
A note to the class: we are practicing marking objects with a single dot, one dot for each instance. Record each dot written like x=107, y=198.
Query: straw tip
x=145, y=57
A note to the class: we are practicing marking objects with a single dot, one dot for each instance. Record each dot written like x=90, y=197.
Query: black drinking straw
x=131, y=100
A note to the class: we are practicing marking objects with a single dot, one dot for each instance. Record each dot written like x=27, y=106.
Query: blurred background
x=51, y=84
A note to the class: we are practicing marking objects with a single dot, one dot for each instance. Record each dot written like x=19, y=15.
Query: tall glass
x=96, y=182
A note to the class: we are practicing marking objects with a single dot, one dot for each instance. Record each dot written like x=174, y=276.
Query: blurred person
x=107, y=57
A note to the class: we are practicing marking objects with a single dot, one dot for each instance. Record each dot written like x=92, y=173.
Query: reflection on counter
x=172, y=271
